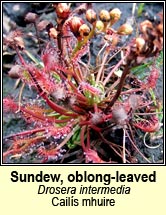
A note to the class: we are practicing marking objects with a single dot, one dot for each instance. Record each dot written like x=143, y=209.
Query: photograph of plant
x=86, y=83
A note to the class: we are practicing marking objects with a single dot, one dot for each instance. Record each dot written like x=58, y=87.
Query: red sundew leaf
x=92, y=156
x=58, y=132
x=50, y=58
x=34, y=113
x=47, y=84
x=23, y=146
x=151, y=125
x=153, y=77
x=9, y=105
x=48, y=153
x=37, y=77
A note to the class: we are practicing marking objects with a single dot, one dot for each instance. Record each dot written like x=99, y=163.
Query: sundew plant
x=86, y=109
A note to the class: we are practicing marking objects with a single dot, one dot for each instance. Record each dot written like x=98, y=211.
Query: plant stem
x=124, y=147
x=101, y=67
x=25, y=133
x=122, y=79
x=82, y=136
x=113, y=70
